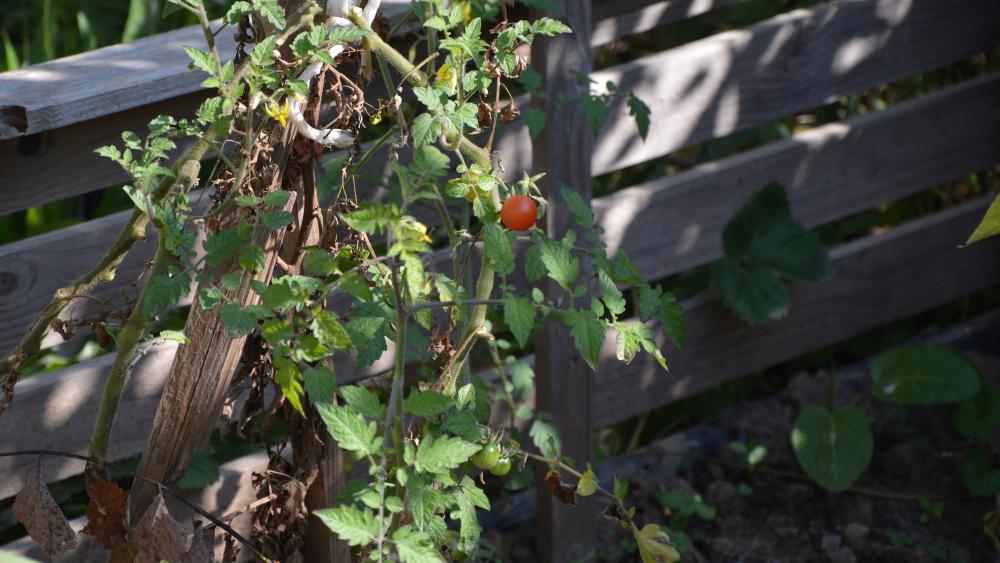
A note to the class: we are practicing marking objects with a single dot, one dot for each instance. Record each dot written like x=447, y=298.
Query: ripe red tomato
x=519, y=213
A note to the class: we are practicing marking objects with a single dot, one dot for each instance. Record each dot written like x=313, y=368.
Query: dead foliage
x=38, y=512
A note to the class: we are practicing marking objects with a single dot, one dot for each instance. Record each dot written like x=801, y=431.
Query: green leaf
x=237, y=11
x=498, y=248
x=588, y=334
x=277, y=219
x=262, y=54
x=175, y=335
x=630, y=338
x=833, y=448
x=430, y=96
x=640, y=111
x=979, y=416
x=272, y=11
x=414, y=546
x=610, y=294
x=353, y=525
x=329, y=331
x=672, y=319
x=202, y=60
x=164, y=292
x=443, y=453
x=425, y=129
x=924, y=375
x=237, y=321
x=286, y=375
x=792, y=251
x=349, y=429
x=221, y=246
x=201, y=472
x=534, y=118
x=464, y=426
x=534, y=267
x=990, y=225
x=252, y=258
x=427, y=403
x=372, y=218
x=621, y=489
x=766, y=207
x=320, y=383
x=560, y=264
x=578, y=207
x=519, y=314
x=979, y=475
x=545, y=436
x=753, y=293
x=319, y=262
x=363, y=401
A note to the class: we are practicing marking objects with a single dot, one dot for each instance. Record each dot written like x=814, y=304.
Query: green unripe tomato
x=502, y=467
x=487, y=457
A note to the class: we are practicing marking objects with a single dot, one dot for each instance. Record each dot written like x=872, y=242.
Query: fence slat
x=878, y=279
x=738, y=79
x=666, y=225
x=672, y=224
x=562, y=379
x=613, y=20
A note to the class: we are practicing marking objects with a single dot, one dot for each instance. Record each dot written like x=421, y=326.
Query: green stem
x=131, y=333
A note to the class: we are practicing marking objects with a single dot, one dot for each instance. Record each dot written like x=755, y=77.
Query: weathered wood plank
x=562, y=378
x=675, y=223
x=666, y=225
x=878, y=279
x=56, y=411
x=61, y=163
x=789, y=63
x=613, y=20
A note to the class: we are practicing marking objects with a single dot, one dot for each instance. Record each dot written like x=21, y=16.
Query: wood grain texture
x=672, y=224
x=614, y=20
x=57, y=411
x=562, y=378
x=796, y=61
x=878, y=279
x=61, y=163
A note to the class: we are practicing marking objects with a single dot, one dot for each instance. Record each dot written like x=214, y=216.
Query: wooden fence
x=699, y=91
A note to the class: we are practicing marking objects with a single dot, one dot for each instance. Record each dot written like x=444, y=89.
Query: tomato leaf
x=519, y=314
x=588, y=334
x=755, y=218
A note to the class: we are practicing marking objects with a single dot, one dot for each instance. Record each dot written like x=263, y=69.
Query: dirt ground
x=774, y=514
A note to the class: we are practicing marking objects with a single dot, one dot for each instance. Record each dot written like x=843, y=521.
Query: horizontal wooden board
x=614, y=20
x=672, y=224
x=667, y=225
x=878, y=279
x=56, y=411
x=796, y=61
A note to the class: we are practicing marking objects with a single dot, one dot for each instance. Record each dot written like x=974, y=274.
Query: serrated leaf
x=534, y=268
x=277, y=219
x=630, y=339
x=560, y=264
x=464, y=426
x=655, y=545
x=498, y=248
x=363, y=401
x=425, y=129
x=534, y=118
x=272, y=11
x=237, y=321
x=753, y=293
x=833, y=448
x=672, y=319
x=174, y=335
x=791, y=251
x=237, y=11
x=578, y=207
x=252, y=258
x=320, y=383
x=430, y=96
x=924, y=375
x=427, y=403
x=353, y=525
x=588, y=335
x=443, y=453
x=519, y=314
x=610, y=294
x=545, y=436
x=202, y=60
x=348, y=428
x=640, y=111
x=329, y=331
x=414, y=546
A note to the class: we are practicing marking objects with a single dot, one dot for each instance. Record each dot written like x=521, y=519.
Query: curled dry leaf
x=509, y=113
x=558, y=490
x=38, y=512
x=201, y=545
x=157, y=536
x=105, y=511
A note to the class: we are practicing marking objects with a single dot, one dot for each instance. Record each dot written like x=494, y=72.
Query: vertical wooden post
x=563, y=379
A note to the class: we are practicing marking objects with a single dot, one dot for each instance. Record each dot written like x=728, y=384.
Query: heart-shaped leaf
x=833, y=448
x=924, y=375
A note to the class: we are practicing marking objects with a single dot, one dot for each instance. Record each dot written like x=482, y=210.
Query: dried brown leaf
x=232, y=550
x=201, y=545
x=106, y=511
x=558, y=490
x=157, y=536
x=39, y=513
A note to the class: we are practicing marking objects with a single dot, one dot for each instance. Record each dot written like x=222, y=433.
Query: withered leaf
x=558, y=490
x=38, y=512
x=614, y=512
x=157, y=536
x=201, y=545
x=232, y=550
x=509, y=113
x=105, y=511
x=484, y=114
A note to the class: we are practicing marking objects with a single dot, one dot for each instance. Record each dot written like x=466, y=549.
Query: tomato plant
x=487, y=457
